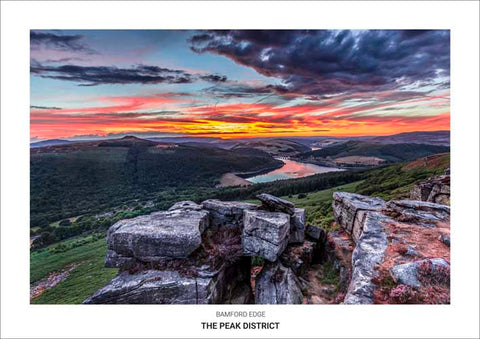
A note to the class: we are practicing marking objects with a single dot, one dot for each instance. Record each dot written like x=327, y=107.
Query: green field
x=82, y=282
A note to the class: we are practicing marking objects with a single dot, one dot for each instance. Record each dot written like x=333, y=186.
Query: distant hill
x=78, y=178
x=181, y=140
x=198, y=141
x=430, y=138
x=127, y=141
x=275, y=147
x=49, y=142
x=388, y=152
x=251, y=152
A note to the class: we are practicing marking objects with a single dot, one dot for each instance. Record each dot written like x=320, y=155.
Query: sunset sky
x=229, y=84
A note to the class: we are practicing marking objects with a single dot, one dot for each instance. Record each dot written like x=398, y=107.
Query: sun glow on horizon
x=85, y=90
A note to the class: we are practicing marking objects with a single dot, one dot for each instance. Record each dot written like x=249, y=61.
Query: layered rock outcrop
x=435, y=189
x=265, y=234
x=392, y=242
x=349, y=210
x=201, y=254
x=158, y=236
x=382, y=252
x=227, y=213
x=203, y=286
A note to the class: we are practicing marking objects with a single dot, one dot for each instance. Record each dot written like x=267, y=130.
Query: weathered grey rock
x=315, y=232
x=158, y=236
x=150, y=287
x=421, y=213
x=412, y=252
x=358, y=224
x=298, y=257
x=265, y=234
x=277, y=284
x=226, y=213
x=445, y=239
x=297, y=226
x=346, y=208
x=203, y=286
x=115, y=260
x=275, y=204
x=407, y=274
x=435, y=189
x=368, y=253
x=185, y=205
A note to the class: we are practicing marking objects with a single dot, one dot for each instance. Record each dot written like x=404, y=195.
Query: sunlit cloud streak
x=280, y=83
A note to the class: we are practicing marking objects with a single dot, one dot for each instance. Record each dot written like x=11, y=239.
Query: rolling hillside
x=74, y=179
x=390, y=153
x=275, y=147
x=431, y=138
x=312, y=193
x=49, y=142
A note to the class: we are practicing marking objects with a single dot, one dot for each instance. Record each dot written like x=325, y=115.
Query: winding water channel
x=291, y=170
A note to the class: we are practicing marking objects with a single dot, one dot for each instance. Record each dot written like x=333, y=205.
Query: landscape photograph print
x=240, y=167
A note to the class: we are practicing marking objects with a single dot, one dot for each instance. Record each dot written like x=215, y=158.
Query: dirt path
x=53, y=279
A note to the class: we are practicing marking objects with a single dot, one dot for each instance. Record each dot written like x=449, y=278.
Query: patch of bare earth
x=316, y=292
x=53, y=279
x=430, y=162
x=230, y=179
x=407, y=243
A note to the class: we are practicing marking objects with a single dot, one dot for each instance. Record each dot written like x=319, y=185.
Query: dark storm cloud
x=214, y=78
x=45, y=107
x=59, y=42
x=237, y=91
x=324, y=62
x=140, y=74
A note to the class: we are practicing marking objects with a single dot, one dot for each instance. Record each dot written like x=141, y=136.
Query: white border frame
x=20, y=319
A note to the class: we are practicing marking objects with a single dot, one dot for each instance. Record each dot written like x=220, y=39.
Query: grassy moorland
x=90, y=274
x=313, y=193
x=389, y=152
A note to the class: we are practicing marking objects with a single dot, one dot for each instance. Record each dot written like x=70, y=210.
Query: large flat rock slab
x=226, y=213
x=346, y=207
x=265, y=234
x=275, y=204
x=147, y=287
x=227, y=285
x=158, y=236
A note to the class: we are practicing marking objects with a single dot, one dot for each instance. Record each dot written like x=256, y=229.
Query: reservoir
x=291, y=170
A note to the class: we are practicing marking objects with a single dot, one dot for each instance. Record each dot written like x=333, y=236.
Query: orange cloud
x=133, y=114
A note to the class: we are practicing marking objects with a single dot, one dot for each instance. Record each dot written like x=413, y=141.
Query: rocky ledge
x=201, y=254
x=226, y=252
x=399, y=250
